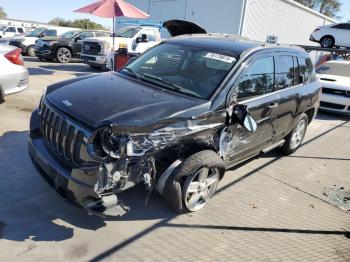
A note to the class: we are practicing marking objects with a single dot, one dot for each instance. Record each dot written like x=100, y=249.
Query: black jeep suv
x=174, y=119
x=65, y=47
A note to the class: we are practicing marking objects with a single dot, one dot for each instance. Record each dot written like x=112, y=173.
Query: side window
x=11, y=29
x=150, y=35
x=101, y=34
x=284, y=72
x=20, y=30
x=307, y=70
x=258, y=79
x=297, y=74
x=342, y=26
x=51, y=32
x=86, y=35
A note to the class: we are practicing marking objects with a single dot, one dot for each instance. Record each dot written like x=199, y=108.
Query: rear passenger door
x=288, y=82
x=255, y=90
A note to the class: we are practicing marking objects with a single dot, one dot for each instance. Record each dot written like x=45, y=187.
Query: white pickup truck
x=98, y=52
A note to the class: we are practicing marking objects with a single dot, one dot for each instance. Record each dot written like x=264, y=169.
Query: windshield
x=336, y=69
x=189, y=70
x=36, y=33
x=69, y=34
x=2, y=27
x=127, y=32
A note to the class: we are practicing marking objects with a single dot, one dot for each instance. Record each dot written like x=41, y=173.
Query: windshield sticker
x=219, y=57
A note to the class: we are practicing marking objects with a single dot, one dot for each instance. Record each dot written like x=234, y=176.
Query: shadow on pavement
x=31, y=209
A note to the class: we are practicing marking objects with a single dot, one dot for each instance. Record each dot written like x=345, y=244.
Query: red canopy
x=113, y=8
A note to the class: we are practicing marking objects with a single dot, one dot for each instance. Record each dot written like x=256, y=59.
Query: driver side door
x=254, y=89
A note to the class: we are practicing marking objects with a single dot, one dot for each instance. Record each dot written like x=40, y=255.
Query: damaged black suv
x=174, y=119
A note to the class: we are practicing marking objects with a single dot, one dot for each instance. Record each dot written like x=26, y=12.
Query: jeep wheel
x=296, y=136
x=31, y=51
x=195, y=182
x=327, y=41
x=63, y=55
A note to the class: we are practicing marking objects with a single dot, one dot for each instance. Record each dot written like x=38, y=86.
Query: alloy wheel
x=200, y=187
x=298, y=134
x=64, y=55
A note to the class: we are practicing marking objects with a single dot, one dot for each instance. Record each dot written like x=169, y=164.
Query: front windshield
x=336, y=69
x=36, y=33
x=189, y=70
x=127, y=32
x=69, y=34
x=2, y=27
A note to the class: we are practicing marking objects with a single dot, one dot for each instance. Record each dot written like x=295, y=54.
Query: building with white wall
x=26, y=24
x=291, y=22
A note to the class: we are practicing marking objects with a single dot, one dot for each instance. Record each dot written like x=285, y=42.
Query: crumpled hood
x=112, y=98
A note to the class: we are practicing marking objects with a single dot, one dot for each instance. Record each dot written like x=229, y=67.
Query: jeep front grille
x=61, y=135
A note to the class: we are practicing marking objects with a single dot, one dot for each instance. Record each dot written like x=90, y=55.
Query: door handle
x=272, y=105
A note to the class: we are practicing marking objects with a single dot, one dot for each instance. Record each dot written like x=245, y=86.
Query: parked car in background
x=332, y=35
x=27, y=42
x=9, y=31
x=99, y=52
x=13, y=74
x=65, y=47
x=174, y=119
x=335, y=80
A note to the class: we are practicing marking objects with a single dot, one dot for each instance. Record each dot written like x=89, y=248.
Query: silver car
x=13, y=74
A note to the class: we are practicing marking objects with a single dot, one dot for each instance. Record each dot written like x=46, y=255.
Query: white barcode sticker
x=220, y=57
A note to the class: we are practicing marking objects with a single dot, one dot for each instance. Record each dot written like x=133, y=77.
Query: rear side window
x=51, y=32
x=20, y=30
x=342, y=26
x=258, y=79
x=151, y=35
x=284, y=72
x=307, y=69
x=101, y=34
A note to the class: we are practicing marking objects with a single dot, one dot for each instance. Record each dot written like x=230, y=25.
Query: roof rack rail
x=344, y=52
x=153, y=23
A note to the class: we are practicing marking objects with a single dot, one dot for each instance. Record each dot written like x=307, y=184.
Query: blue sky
x=44, y=10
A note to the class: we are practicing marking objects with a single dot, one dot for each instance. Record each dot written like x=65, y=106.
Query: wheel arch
x=310, y=114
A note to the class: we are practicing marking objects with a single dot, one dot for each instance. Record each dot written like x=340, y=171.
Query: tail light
x=15, y=56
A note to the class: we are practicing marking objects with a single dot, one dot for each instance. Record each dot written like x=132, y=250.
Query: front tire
x=195, y=182
x=31, y=51
x=294, y=139
x=63, y=55
x=327, y=41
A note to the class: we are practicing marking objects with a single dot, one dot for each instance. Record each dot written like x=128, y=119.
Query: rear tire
x=327, y=41
x=31, y=51
x=294, y=139
x=194, y=182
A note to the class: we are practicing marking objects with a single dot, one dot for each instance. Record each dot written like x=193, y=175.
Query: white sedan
x=13, y=73
x=335, y=79
x=332, y=35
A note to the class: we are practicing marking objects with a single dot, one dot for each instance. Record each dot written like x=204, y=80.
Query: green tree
x=78, y=23
x=2, y=13
x=330, y=8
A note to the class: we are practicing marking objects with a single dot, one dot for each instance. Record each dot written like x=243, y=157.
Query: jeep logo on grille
x=87, y=47
x=67, y=103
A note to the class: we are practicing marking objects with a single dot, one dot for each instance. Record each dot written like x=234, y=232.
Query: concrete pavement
x=270, y=208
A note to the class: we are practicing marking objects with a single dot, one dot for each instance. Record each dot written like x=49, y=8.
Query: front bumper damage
x=96, y=187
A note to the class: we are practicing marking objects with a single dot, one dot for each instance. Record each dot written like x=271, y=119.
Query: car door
x=287, y=83
x=11, y=31
x=254, y=89
x=341, y=34
x=151, y=40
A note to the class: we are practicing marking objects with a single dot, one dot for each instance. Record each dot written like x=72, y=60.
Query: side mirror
x=78, y=38
x=301, y=79
x=142, y=39
x=241, y=114
x=41, y=35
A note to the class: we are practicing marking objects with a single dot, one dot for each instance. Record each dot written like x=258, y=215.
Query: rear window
x=334, y=69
